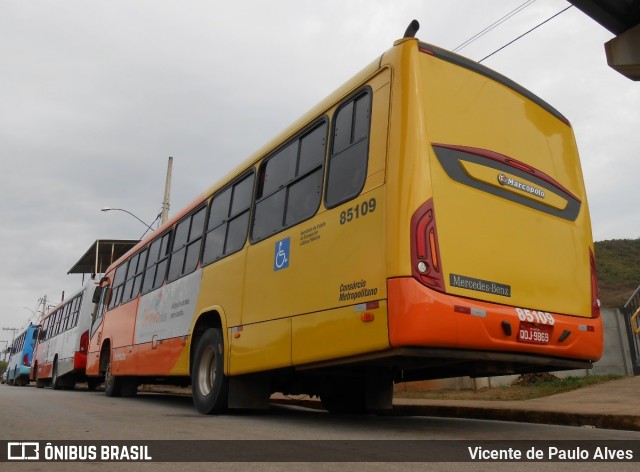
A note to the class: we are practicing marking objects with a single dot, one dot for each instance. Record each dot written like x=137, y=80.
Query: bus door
x=100, y=301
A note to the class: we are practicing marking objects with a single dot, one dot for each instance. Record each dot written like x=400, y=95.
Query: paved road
x=80, y=415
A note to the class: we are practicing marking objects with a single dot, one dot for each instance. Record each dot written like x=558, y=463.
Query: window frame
x=187, y=244
x=117, y=290
x=351, y=99
x=231, y=217
x=160, y=259
x=138, y=273
x=75, y=311
x=297, y=177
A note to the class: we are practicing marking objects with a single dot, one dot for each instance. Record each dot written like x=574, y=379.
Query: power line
x=525, y=33
x=494, y=25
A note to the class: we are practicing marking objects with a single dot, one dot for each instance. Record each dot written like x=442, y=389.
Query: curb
x=593, y=420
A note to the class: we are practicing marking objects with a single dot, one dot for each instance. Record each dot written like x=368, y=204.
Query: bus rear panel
x=502, y=262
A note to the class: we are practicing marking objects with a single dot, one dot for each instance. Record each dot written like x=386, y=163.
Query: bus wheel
x=209, y=385
x=112, y=383
x=55, y=380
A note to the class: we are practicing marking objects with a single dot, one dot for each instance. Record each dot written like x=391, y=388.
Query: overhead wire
x=525, y=33
x=494, y=25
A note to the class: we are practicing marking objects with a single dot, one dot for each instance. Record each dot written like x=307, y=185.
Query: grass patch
x=524, y=388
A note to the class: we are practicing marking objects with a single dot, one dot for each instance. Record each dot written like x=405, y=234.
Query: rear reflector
x=84, y=342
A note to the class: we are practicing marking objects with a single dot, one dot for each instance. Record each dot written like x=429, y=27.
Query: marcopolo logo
x=504, y=180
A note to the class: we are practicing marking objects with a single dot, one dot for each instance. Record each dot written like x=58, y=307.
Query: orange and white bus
x=427, y=220
x=61, y=351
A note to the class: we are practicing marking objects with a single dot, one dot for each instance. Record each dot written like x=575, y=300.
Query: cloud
x=96, y=95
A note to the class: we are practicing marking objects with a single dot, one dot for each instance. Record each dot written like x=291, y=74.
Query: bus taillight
x=595, y=301
x=84, y=342
x=25, y=360
x=425, y=257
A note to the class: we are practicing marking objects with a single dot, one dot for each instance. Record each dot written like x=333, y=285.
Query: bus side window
x=75, y=312
x=350, y=150
x=228, y=220
x=186, y=245
x=134, y=276
x=43, y=331
x=100, y=307
x=65, y=318
x=54, y=324
x=156, y=266
x=118, y=283
x=290, y=185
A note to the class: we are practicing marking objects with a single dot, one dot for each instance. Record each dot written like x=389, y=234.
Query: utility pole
x=6, y=348
x=13, y=334
x=44, y=305
x=167, y=192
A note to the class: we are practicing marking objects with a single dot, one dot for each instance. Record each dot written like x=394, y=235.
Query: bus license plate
x=534, y=334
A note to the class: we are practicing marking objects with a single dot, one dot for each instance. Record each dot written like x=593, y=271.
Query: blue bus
x=21, y=355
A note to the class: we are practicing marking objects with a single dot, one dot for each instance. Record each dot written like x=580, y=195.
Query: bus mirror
x=97, y=294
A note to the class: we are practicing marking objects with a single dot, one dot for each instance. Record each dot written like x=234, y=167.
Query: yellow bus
x=426, y=220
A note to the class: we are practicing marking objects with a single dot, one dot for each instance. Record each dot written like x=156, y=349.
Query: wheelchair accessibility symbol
x=281, y=254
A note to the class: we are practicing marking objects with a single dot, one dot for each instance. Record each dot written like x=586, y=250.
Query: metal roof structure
x=622, y=18
x=101, y=254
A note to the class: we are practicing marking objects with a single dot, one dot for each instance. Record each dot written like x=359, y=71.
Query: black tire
x=209, y=385
x=112, y=383
x=55, y=379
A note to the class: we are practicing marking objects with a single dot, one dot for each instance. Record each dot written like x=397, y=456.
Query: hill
x=618, y=262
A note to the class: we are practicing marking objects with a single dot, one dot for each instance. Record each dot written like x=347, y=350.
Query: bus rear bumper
x=420, y=317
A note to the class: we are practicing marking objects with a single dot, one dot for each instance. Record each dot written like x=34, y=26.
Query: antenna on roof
x=412, y=29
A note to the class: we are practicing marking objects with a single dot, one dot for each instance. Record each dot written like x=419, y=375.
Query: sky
x=95, y=95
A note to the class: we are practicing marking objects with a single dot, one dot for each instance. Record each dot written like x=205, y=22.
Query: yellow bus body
x=467, y=251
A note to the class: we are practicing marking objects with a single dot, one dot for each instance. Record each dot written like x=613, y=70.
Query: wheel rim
x=207, y=371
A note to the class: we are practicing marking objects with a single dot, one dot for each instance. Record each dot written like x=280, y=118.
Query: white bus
x=61, y=352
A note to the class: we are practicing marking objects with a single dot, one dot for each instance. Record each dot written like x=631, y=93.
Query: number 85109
x=358, y=211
